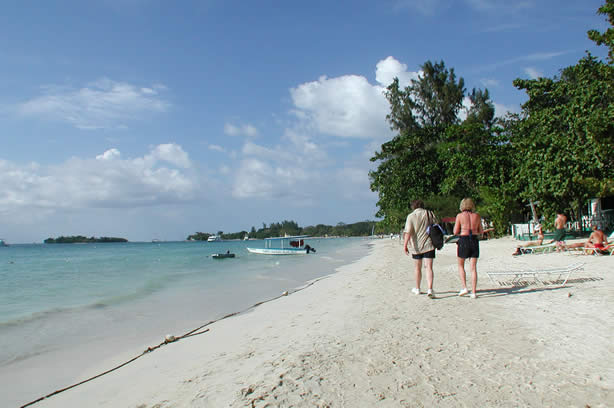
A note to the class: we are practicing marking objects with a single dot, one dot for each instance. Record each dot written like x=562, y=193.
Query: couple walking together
x=468, y=226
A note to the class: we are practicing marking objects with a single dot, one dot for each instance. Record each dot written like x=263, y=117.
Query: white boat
x=3, y=243
x=214, y=238
x=292, y=245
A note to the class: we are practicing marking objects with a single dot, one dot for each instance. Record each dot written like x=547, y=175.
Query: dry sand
x=359, y=338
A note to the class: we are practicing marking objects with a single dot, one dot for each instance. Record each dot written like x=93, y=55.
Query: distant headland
x=79, y=239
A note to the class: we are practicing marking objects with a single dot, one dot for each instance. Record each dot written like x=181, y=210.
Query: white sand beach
x=359, y=338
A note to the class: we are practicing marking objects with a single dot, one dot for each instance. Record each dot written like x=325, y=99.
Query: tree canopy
x=557, y=151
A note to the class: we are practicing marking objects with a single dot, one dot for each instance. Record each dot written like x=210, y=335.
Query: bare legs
x=474, y=274
x=428, y=265
x=473, y=265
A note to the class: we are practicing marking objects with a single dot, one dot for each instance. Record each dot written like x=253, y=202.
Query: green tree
x=606, y=38
x=409, y=166
x=482, y=109
x=567, y=137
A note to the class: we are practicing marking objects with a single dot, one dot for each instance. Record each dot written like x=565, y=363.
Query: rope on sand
x=172, y=339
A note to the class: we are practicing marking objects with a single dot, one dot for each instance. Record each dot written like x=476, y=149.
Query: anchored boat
x=292, y=245
x=223, y=256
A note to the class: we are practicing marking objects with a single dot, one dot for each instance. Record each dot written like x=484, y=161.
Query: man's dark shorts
x=559, y=235
x=427, y=255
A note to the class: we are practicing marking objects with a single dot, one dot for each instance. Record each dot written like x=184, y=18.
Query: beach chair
x=516, y=275
x=607, y=250
x=538, y=249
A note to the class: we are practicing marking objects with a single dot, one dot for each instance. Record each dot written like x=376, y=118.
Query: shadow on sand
x=520, y=288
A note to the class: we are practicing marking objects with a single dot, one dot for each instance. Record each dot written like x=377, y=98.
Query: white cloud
x=290, y=169
x=259, y=179
x=467, y=104
x=501, y=110
x=387, y=69
x=346, y=106
x=110, y=154
x=106, y=181
x=216, y=148
x=244, y=130
x=101, y=104
x=170, y=153
x=533, y=73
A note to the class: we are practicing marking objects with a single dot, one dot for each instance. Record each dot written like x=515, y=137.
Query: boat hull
x=222, y=256
x=278, y=251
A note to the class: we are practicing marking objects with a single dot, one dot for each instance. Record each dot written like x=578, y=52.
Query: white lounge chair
x=515, y=276
x=608, y=249
x=538, y=249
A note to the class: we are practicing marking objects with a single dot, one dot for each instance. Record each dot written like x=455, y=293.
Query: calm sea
x=61, y=302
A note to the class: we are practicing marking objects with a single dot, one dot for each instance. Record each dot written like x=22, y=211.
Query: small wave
x=26, y=355
x=37, y=316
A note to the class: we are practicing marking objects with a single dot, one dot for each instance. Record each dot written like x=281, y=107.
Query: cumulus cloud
x=347, y=106
x=170, y=153
x=261, y=179
x=101, y=104
x=288, y=170
x=243, y=130
x=387, y=69
x=106, y=181
x=502, y=110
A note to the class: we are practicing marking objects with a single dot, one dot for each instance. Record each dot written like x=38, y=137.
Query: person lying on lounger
x=540, y=240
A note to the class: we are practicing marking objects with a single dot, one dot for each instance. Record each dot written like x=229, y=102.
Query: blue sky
x=155, y=119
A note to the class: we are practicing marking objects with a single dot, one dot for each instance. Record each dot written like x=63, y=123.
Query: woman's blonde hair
x=467, y=204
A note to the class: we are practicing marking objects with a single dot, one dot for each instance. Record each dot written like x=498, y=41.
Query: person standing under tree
x=468, y=226
x=422, y=248
x=559, y=231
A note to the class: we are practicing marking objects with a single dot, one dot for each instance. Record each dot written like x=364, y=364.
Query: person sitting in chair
x=597, y=240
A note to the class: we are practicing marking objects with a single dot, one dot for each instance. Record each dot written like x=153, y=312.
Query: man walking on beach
x=421, y=246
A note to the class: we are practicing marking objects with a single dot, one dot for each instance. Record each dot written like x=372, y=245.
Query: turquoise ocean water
x=61, y=302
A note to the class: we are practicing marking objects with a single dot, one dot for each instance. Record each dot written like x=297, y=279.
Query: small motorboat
x=223, y=256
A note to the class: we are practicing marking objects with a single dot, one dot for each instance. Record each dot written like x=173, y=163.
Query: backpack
x=435, y=231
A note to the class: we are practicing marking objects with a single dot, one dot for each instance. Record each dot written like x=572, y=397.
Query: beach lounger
x=607, y=250
x=515, y=276
x=538, y=249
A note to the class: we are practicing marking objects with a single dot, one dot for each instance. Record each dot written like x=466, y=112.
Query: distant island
x=278, y=229
x=79, y=239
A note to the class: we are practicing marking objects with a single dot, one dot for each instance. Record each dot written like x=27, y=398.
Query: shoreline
x=360, y=338
x=63, y=345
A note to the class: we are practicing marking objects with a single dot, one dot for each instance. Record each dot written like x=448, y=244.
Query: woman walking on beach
x=421, y=246
x=468, y=226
